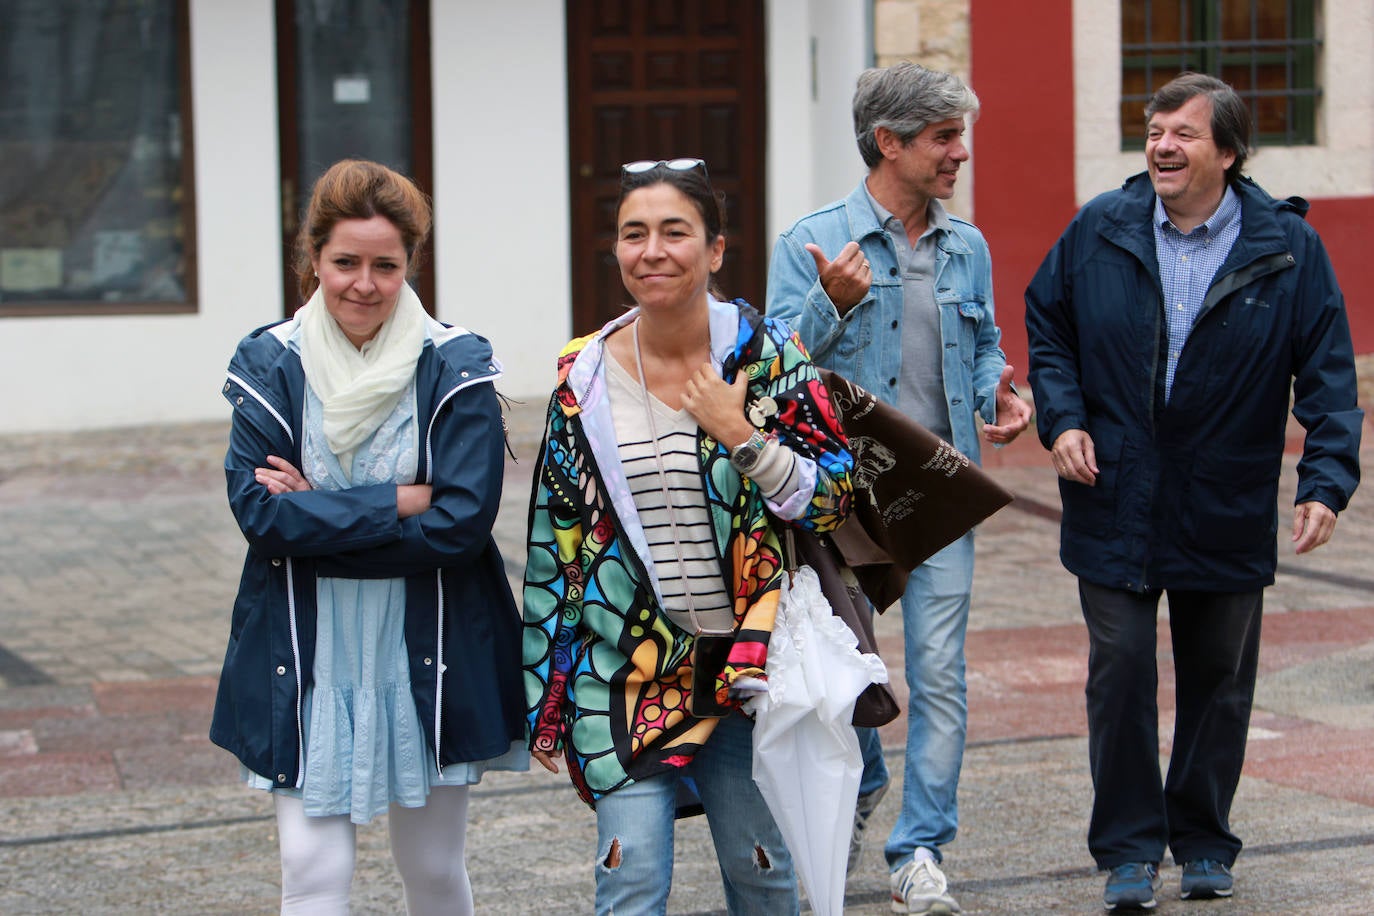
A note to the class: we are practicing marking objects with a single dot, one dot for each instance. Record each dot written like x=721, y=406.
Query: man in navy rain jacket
x=1167, y=327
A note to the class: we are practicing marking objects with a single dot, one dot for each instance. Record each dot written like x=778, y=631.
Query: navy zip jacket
x=1187, y=492
x=462, y=630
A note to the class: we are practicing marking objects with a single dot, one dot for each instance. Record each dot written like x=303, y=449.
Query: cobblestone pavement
x=119, y=562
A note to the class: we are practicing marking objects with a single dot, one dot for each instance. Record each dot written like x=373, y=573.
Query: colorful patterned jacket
x=607, y=674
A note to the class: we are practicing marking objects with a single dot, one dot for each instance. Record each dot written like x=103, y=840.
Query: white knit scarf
x=359, y=388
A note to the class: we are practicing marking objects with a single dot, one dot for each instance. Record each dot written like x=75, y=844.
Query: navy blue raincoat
x=1188, y=490
x=462, y=629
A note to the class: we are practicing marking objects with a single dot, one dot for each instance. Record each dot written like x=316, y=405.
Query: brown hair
x=360, y=189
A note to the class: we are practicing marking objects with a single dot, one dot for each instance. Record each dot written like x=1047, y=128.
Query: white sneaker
x=919, y=887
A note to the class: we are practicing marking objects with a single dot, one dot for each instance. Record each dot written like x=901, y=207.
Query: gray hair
x=906, y=98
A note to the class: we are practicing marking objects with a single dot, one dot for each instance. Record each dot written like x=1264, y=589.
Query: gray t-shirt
x=921, y=384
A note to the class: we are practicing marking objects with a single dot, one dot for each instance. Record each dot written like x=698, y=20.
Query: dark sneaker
x=1132, y=887
x=1204, y=879
x=862, y=812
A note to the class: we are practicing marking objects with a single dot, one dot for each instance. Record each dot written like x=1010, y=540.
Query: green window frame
x=1266, y=49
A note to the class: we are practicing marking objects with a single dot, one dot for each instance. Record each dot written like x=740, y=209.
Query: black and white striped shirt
x=686, y=506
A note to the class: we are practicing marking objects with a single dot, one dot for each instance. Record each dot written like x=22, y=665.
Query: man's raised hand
x=847, y=278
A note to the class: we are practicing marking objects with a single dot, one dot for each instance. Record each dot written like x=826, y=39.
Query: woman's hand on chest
x=718, y=406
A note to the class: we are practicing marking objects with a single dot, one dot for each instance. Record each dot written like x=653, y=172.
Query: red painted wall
x=1345, y=225
x=1023, y=150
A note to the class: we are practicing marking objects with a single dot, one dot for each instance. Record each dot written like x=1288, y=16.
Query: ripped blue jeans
x=634, y=866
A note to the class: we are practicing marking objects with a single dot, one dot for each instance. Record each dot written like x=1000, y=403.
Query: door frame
x=289, y=191
x=748, y=247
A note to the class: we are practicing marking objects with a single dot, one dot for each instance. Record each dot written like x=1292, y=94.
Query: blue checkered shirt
x=1187, y=264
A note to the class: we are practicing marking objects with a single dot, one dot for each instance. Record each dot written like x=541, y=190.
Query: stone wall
x=932, y=33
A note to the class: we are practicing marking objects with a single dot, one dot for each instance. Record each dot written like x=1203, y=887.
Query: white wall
x=812, y=158
x=1340, y=164
x=501, y=200
x=92, y=371
x=501, y=244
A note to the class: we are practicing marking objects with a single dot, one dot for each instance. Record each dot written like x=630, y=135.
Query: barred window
x=1265, y=49
x=95, y=139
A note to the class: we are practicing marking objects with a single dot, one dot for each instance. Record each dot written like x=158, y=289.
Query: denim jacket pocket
x=972, y=311
x=973, y=307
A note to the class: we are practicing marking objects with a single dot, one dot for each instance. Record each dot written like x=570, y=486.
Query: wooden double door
x=660, y=80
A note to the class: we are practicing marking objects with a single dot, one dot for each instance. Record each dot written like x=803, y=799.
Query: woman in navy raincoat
x=374, y=655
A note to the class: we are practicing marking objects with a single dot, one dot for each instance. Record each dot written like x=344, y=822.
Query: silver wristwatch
x=745, y=455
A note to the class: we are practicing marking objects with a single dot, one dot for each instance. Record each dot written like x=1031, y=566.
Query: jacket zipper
x=290, y=594
x=439, y=574
x=1154, y=375
x=1216, y=291
x=1240, y=277
x=296, y=654
x=439, y=672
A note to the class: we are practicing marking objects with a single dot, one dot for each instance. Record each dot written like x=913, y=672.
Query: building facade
x=1055, y=118
x=154, y=155
x=82, y=348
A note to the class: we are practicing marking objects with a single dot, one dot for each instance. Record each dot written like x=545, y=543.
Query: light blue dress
x=365, y=748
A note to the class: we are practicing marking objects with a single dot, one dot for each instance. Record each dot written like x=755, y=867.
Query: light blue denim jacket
x=865, y=345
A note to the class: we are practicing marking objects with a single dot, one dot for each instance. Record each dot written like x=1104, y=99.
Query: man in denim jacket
x=894, y=293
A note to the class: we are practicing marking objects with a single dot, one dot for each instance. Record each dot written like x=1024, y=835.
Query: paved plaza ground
x=118, y=566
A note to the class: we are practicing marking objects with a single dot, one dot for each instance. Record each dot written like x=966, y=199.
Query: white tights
x=317, y=855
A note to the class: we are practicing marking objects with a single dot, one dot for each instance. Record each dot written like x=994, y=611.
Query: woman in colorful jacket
x=373, y=659
x=678, y=438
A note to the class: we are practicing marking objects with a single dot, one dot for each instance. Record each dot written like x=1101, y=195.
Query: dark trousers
x=1216, y=638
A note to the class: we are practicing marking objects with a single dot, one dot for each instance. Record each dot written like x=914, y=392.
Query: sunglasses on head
x=677, y=165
